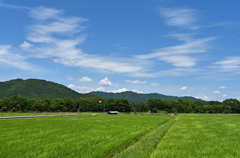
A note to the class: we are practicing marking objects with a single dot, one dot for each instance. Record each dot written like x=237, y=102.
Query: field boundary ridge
x=145, y=146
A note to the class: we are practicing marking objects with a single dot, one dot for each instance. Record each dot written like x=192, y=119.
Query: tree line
x=188, y=106
x=17, y=103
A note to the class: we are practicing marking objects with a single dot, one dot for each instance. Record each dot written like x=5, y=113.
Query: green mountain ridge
x=138, y=97
x=36, y=88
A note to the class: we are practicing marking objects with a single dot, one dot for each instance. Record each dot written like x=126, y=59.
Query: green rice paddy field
x=76, y=136
x=122, y=136
x=201, y=136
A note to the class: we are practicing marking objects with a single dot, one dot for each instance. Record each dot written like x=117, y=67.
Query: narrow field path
x=37, y=116
x=177, y=117
x=147, y=145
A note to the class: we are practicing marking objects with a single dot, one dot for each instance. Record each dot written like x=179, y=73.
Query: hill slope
x=35, y=88
x=136, y=97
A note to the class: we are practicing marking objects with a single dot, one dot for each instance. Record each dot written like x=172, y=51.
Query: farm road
x=36, y=116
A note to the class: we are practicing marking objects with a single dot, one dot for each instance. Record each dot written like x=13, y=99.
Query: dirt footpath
x=177, y=117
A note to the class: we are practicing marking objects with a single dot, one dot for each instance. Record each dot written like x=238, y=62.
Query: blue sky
x=170, y=47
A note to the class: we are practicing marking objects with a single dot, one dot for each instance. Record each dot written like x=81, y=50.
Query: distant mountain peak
x=140, y=97
x=37, y=88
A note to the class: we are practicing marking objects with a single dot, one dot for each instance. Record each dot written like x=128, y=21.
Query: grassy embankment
x=77, y=136
x=201, y=136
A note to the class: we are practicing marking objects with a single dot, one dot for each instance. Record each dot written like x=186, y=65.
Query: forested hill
x=35, y=88
x=136, y=97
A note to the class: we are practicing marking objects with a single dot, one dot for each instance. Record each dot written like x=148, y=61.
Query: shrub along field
x=201, y=136
x=76, y=136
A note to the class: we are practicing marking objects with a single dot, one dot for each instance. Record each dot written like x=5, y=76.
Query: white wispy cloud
x=46, y=34
x=79, y=89
x=136, y=82
x=180, y=61
x=57, y=37
x=215, y=92
x=10, y=59
x=180, y=17
x=183, y=88
x=225, y=95
x=70, y=78
x=180, y=55
x=105, y=82
x=44, y=13
x=85, y=79
x=137, y=91
x=185, y=37
x=203, y=96
x=118, y=90
x=4, y=49
x=222, y=87
x=101, y=88
x=223, y=23
x=230, y=64
x=25, y=45
x=101, y=63
x=85, y=89
x=154, y=84
x=64, y=49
